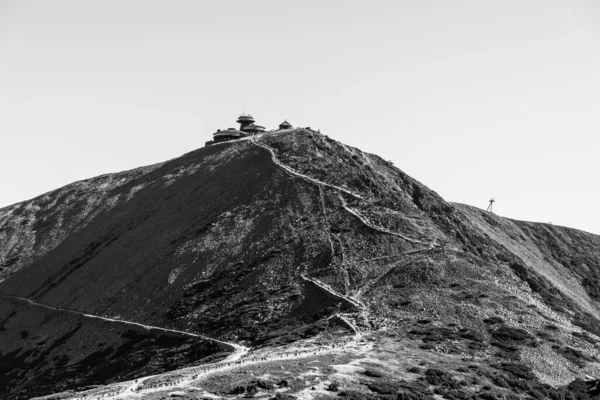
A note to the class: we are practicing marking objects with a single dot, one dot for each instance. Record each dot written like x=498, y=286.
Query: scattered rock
x=333, y=387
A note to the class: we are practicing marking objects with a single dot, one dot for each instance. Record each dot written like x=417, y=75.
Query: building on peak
x=226, y=135
x=247, y=128
x=254, y=129
x=244, y=120
x=285, y=125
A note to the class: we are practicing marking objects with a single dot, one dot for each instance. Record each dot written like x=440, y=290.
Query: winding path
x=330, y=290
x=408, y=253
x=240, y=356
x=254, y=140
x=185, y=376
x=238, y=350
x=378, y=228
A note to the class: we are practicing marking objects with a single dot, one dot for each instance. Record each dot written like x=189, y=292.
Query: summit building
x=247, y=128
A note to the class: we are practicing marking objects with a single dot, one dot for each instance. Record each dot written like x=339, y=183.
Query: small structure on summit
x=253, y=129
x=247, y=128
x=227, y=134
x=285, y=125
x=244, y=120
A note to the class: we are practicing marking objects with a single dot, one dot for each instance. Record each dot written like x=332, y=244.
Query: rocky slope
x=262, y=241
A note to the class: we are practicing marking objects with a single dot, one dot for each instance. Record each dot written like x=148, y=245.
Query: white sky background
x=476, y=99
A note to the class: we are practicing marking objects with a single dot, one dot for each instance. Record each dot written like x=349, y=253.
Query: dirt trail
x=255, y=140
x=242, y=355
x=186, y=377
x=235, y=347
x=408, y=253
x=378, y=228
x=330, y=290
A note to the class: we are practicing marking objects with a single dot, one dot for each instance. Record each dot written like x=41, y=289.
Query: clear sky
x=476, y=99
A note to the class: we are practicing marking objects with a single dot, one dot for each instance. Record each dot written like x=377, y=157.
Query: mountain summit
x=252, y=254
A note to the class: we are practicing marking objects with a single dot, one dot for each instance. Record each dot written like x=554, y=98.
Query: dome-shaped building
x=227, y=134
x=253, y=129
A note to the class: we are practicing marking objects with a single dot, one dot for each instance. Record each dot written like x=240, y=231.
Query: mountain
x=286, y=244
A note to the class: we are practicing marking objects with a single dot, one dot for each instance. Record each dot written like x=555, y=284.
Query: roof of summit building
x=285, y=124
x=245, y=118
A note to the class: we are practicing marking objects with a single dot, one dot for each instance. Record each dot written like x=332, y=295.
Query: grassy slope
x=30, y=229
x=530, y=276
x=44, y=351
x=565, y=257
x=212, y=214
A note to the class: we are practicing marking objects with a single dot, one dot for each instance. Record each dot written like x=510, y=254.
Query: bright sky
x=474, y=98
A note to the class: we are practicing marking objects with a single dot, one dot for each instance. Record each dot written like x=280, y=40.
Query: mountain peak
x=281, y=241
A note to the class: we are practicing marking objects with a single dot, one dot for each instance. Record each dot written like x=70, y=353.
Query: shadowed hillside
x=45, y=350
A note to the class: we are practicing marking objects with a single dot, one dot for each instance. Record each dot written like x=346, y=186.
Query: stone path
x=233, y=346
x=255, y=140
